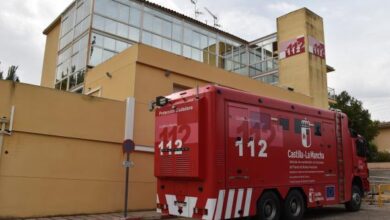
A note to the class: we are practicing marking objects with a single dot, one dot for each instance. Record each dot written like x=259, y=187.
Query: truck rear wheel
x=294, y=206
x=268, y=207
x=356, y=200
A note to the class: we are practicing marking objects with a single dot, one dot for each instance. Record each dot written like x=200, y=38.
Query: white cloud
x=21, y=39
x=283, y=7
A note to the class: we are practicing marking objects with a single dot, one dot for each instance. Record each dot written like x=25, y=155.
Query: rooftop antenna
x=216, y=25
x=196, y=11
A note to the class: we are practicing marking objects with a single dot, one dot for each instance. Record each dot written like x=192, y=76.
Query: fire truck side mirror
x=354, y=133
x=367, y=149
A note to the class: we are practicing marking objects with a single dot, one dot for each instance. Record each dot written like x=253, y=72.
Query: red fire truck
x=221, y=153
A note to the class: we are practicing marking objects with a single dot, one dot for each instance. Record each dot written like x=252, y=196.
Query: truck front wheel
x=268, y=207
x=356, y=200
x=294, y=206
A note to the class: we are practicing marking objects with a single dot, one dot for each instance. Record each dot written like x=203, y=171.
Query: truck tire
x=268, y=207
x=356, y=200
x=294, y=206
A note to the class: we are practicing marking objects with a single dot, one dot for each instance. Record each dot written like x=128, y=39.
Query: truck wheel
x=294, y=206
x=356, y=200
x=268, y=207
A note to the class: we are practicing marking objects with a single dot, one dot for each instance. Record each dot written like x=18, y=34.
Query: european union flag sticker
x=330, y=192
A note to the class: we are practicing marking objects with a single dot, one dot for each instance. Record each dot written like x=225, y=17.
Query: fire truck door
x=237, y=152
x=329, y=148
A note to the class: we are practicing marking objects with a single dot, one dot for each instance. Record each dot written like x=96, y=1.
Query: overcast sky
x=357, y=37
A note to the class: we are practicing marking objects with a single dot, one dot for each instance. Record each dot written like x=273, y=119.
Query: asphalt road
x=368, y=212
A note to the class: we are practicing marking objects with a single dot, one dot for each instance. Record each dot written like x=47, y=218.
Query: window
x=107, y=55
x=177, y=32
x=361, y=148
x=121, y=46
x=284, y=123
x=109, y=43
x=317, y=129
x=187, y=51
x=297, y=126
x=176, y=48
x=148, y=22
x=110, y=26
x=167, y=44
x=134, y=34
x=98, y=22
x=157, y=25
x=135, y=17
x=124, y=13
x=156, y=41
x=187, y=36
x=96, y=56
x=123, y=30
x=196, y=54
x=195, y=39
x=166, y=29
x=147, y=38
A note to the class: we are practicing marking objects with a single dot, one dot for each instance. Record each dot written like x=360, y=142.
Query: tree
x=1, y=74
x=11, y=75
x=359, y=119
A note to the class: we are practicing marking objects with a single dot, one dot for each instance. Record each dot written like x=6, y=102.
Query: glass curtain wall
x=73, y=46
x=119, y=24
x=263, y=60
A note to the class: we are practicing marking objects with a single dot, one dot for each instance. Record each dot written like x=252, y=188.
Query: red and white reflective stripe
x=229, y=204
x=210, y=206
x=158, y=210
x=221, y=197
x=233, y=198
x=248, y=198
x=239, y=203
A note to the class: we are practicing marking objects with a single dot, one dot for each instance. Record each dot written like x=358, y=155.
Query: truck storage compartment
x=177, y=140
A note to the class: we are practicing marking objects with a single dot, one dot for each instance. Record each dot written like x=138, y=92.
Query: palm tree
x=1, y=74
x=12, y=74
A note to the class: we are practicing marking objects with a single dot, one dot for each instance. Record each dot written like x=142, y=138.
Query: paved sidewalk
x=148, y=215
x=338, y=212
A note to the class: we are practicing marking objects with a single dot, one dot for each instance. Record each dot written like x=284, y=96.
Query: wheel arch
x=300, y=190
x=276, y=191
x=358, y=182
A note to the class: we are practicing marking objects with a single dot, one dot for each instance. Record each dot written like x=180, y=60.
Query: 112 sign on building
x=292, y=47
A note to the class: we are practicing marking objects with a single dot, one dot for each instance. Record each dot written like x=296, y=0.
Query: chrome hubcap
x=269, y=209
x=295, y=208
x=357, y=198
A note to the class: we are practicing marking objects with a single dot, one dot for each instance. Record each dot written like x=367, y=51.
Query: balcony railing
x=331, y=93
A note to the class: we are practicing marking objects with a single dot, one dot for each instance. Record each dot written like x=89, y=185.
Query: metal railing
x=331, y=93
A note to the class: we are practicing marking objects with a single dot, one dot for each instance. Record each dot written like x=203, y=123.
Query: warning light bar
x=161, y=101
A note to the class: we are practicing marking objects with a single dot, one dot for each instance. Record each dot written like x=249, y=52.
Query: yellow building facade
x=382, y=141
x=64, y=154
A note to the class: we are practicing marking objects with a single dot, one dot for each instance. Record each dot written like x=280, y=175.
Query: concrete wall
x=304, y=72
x=50, y=57
x=383, y=139
x=65, y=157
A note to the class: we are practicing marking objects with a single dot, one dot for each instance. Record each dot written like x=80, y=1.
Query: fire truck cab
x=221, y=153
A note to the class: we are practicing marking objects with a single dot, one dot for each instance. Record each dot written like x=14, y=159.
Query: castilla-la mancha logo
x=306, y=133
